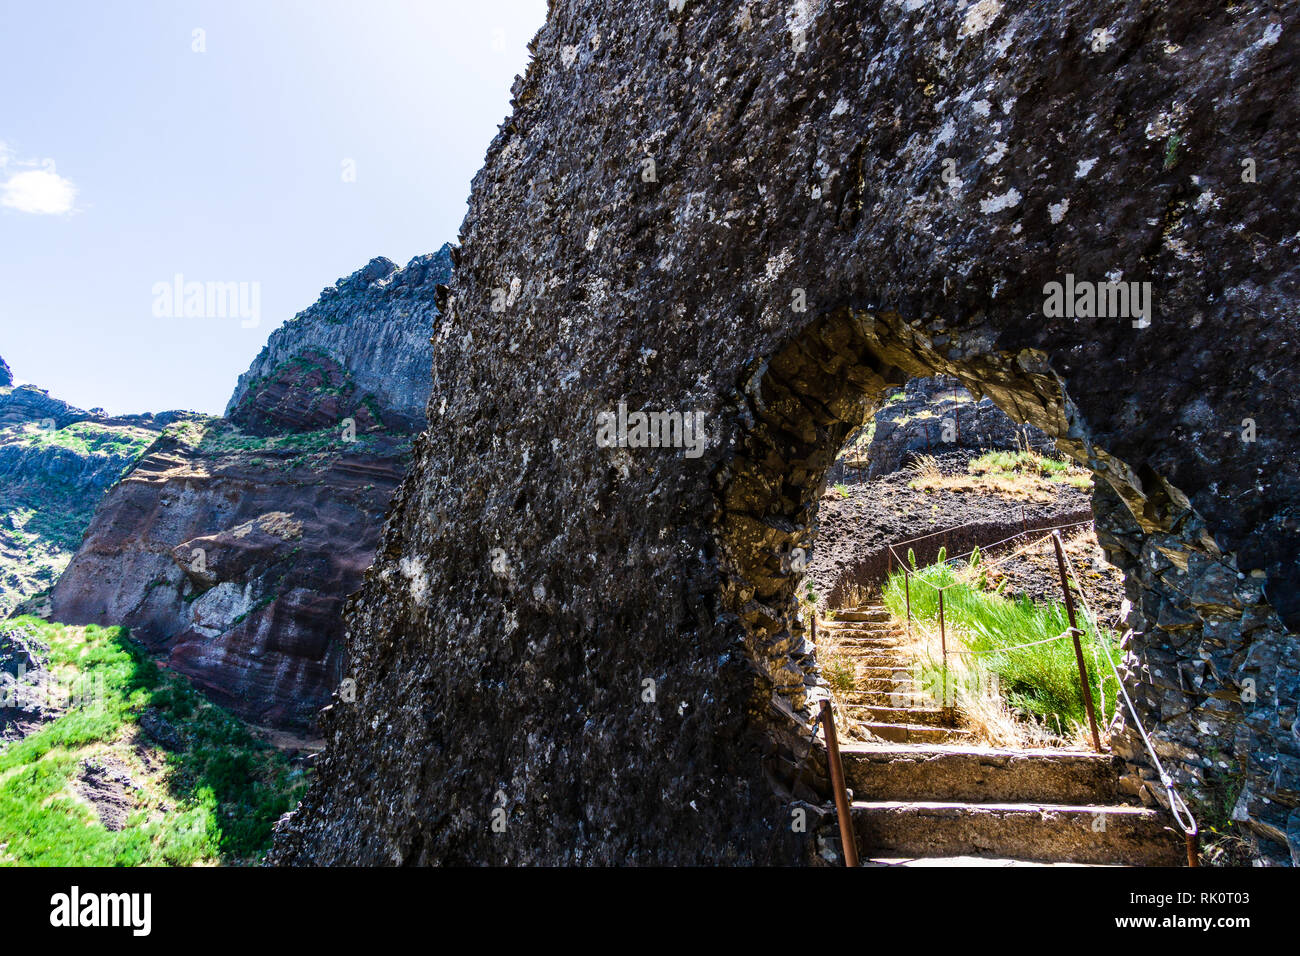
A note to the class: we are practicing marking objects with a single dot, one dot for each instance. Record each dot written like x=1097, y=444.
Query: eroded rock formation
x=931, y=416
x=231, y=547
x=769, y=213
x=56, y=460
x=324, y=364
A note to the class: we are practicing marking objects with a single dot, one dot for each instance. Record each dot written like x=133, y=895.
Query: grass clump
x=1039, y=685
x=91, y=438
x=1018, y=475
x=209, y=794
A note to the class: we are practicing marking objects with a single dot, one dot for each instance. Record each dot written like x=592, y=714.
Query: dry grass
x=971, y=683
x=1023, y=476
x=836, y=667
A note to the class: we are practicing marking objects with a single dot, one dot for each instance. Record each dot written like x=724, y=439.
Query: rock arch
x=913, y=176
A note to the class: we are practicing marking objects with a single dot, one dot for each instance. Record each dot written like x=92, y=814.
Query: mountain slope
x=231, y=547
x=56, y=460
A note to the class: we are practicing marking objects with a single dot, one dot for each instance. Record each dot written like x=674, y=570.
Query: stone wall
x=768, y=213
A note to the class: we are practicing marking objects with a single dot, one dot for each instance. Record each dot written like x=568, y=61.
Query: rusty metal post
x=907, y=593
x=943, y=647
x=1078, y=649
x=1193, y=850
x=842, y=810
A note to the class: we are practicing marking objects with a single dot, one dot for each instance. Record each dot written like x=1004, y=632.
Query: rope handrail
x=991, y=564
x=1177, y=805
x=1014, y=647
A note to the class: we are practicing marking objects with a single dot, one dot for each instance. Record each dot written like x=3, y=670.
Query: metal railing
x=843, y=812
x=1073, y=631
x=1178, y=807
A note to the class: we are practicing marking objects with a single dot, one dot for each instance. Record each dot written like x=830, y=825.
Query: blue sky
x=127, y=158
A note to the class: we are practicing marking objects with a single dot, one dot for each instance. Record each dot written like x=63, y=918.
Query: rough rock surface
x=673, y=187
x=364, y=345
x=933, y=416
x=28, y=697
x=231, y=547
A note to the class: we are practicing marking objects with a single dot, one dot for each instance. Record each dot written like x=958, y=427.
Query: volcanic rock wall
x=576, y=651
x=931, y=416
x=368, y=335
x=231, y=547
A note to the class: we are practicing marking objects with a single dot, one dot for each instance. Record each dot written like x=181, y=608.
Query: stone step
x=882, y=672
x=980, y=774
x=863, y=627
x=892, y=692
x=862, y=614
x=895, y=699
x=1046, y=832
x=884, y=643
x=913, y=733
x=892, y=674
x=929, y=716
x=877, y=660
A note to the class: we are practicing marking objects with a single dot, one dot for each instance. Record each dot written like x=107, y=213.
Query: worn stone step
x=861, y=627
x=930, y=716
x=877, y=660
x=881, y=672
x=892, y=692
x=913, y=733
x=981, y=774
x=862, y=614
x=892, y=699
x=1132, y=836
x=879, y=699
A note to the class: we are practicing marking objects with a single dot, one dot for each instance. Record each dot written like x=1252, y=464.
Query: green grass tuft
x=214, y=798
x=1041, y=681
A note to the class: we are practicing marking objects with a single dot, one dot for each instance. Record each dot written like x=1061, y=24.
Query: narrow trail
x=923, y=792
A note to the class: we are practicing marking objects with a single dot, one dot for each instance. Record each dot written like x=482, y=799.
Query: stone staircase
x=922, y=791
x=883, y=703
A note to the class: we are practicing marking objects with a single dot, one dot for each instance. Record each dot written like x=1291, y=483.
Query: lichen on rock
x=771, y=222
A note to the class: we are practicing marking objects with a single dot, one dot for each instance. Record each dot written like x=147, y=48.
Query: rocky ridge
x=230, y=548
x=324, y=363
x=56, y=460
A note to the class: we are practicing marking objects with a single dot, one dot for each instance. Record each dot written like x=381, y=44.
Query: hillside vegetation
x=139, y=769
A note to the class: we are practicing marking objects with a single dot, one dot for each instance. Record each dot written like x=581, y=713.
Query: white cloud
x=39, y=191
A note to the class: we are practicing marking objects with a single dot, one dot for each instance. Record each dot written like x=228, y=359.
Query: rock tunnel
x=569, y=652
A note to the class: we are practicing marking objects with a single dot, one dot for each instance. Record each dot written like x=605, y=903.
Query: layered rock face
x=231, y=547
x=56, y=460
x=575, y=650
x=324, y=364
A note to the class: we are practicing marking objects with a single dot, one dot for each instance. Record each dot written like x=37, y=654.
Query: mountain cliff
x=364, y=345
x=231, y=546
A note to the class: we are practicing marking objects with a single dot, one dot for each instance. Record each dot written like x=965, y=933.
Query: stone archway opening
x=800, y=404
